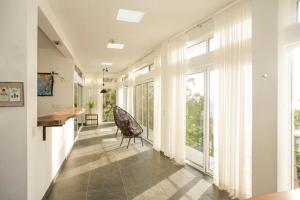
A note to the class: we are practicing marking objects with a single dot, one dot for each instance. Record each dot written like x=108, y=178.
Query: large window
x=201, y=48
x=197, y=49
x=201, y=91
x=296, y=116
x=144, y=103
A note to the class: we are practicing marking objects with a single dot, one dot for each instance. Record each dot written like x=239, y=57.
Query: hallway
x=98, y=169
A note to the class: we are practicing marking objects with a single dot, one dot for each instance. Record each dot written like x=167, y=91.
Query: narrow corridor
x=99, y=169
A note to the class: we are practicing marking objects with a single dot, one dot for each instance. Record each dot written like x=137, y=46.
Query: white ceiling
x=90, y=24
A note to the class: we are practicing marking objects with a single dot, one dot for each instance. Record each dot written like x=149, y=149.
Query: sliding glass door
x=144, y=103
x=200, y=118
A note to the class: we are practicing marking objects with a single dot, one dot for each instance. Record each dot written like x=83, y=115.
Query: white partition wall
x=18, y=57
x=265, y=65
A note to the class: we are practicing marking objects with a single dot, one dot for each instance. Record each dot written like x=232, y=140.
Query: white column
x=265, y=62
x=18, y=63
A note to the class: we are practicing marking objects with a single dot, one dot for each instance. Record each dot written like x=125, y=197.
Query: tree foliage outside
x=297, y=119
x=109, y=102
x=195, y=121
x=297, y=146
x=297, y=159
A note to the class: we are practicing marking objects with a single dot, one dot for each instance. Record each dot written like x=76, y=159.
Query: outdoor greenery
x=109, y=101
x=195, y=121
x=297, y=119
x=297, y=145
x=91, y=106
x=211, y=135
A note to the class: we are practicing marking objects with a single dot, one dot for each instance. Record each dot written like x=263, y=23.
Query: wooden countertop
x=291, y=195
x=60, y=117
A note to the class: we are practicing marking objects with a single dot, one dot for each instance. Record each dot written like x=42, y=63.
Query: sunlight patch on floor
x=175, y=182
x=108, y=150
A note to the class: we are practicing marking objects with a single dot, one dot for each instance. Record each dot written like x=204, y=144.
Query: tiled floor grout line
x=88, y=183
x=132, y=160
x=123, y=182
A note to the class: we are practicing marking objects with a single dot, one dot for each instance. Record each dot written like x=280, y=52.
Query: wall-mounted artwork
x=11, y=94
x=45, y=84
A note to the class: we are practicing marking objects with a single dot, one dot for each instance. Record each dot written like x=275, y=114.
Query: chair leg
x=134, y=139
x=128, y=143
x=142, y=141
x=122, y=141
x=117, y=131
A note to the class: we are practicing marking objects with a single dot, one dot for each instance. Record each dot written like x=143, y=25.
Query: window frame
x=141, y=84
x=298, y=11
x=206, y=70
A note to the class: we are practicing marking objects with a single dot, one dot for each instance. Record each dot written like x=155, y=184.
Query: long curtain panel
x=233, y=171
x=157, y=102
x=130, y=91
x=173, y=101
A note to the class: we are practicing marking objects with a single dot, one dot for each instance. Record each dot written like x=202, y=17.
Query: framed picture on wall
x=11, y=94
x=45, y=84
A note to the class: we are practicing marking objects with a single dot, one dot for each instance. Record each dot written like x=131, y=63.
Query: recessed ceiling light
x=130, y=15
x=106, y=64
x=115, y=46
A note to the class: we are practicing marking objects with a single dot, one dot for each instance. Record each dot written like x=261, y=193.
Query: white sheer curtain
x=233, y=143
x=173, y=99
x=130, y=92
x=157, y=102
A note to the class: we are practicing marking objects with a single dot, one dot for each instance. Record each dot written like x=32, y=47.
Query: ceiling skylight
x=130, y=15
x=115, y=46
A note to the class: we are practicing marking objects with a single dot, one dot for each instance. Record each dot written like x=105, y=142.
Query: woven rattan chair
x=128, y=126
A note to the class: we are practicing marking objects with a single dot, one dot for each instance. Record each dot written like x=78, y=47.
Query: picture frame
x=45, y=84
x=11, y=94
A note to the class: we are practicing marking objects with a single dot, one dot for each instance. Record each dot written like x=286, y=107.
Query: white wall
x=49, y=156
x=264, y=116
x=50, y=59
x=18, y=20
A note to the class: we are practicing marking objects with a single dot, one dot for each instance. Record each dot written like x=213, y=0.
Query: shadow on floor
x=95, y=127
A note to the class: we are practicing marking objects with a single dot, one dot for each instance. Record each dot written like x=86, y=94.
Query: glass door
x=144, y=104
x=201, y=93
x=195, y=118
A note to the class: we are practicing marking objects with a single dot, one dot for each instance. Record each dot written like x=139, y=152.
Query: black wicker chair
x=127, y=124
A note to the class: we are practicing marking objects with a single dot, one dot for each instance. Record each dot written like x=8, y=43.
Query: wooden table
x=58, y=118
x=291, y=195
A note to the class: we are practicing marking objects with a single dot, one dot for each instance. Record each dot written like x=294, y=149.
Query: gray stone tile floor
x=99, y=169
